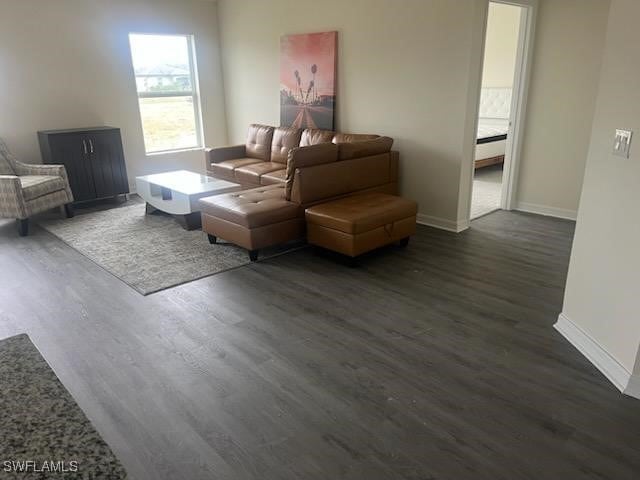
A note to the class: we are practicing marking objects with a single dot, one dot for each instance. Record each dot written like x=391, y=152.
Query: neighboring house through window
x=166, y=80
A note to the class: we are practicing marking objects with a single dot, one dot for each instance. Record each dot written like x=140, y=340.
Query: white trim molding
x=612, y=369
x=547, y=211
x=442, y=223
x=633, y=387
x=518, y=111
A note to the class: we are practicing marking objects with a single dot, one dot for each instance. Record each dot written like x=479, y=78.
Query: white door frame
x=524, y=59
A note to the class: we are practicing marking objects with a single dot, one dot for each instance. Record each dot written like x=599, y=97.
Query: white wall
x=501, y=45
x=66, y=63
x=408, y=69
x=566, y=66
x=602, y=295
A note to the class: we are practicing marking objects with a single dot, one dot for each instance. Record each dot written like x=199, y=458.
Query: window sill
x=169, y=152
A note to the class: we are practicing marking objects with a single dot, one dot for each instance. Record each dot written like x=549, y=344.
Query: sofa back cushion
x=5, y=163
x=322, y=182
x=314, y=136
x=352, y=137
x=301, y=157
x=284, y=139
x=259, y=139
x=366, y=148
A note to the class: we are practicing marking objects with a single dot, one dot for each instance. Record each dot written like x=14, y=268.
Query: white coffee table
x=178, y=192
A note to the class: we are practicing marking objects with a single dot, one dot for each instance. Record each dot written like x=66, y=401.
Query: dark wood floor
x=434, y=362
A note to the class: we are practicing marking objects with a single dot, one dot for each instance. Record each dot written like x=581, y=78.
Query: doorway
x=501, y=107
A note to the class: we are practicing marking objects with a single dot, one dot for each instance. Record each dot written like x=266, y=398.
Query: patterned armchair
x=29, y=189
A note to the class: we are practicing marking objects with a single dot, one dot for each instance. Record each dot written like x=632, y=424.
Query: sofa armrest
x=221, y=154
x=40, y=169
x=12, y=204
x=301, y=157
x=10, y=185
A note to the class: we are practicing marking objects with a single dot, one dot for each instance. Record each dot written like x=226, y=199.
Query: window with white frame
x=166, y=80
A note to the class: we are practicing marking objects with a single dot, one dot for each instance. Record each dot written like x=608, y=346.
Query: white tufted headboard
x=495, y=103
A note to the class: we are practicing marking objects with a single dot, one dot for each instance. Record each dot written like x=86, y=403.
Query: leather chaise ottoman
x=253, y=219
x=360, y=223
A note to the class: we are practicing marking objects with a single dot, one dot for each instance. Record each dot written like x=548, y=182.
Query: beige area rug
x=148, y=252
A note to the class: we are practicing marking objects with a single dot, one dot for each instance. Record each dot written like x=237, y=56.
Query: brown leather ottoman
x=360, y=223
x=254, y=219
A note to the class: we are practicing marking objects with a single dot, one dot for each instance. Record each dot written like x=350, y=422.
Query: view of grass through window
x=169, y=108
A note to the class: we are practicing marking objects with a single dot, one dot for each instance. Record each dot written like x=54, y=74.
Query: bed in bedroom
x=493, y=126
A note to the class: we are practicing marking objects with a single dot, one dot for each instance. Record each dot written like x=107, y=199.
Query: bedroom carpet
x=487, y=190
x=41, y=423
x=148, y=252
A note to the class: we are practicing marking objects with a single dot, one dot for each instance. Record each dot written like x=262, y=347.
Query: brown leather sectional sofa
x=285, y=171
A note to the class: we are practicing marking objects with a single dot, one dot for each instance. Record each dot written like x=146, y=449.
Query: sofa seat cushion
x=250, y=174
x=361, y=213
x=273, y=178
x=252, y=208
x=225, y=170
x=35, y=186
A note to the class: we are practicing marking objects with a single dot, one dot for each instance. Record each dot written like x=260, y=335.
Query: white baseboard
x=633, y=387
x=548, y=211
x=596, y=354
x=442, y=223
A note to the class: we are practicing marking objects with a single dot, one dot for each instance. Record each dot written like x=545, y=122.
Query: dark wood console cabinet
x=93, y=158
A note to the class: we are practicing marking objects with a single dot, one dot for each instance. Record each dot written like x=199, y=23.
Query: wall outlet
x=622, y=143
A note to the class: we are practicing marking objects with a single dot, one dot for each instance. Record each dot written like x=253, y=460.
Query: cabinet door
x=107, y=163
x=69, y=150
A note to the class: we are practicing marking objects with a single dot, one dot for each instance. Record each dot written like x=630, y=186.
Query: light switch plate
x=622, y=143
